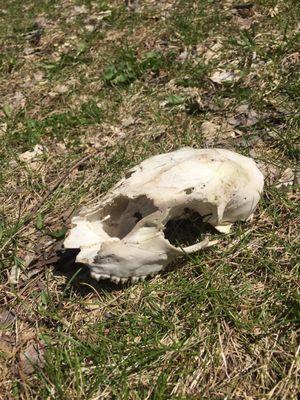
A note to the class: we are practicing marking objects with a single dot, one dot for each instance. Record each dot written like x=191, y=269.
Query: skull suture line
x=123, y=237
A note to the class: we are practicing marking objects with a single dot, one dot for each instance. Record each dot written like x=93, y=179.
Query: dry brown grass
x=220, y=325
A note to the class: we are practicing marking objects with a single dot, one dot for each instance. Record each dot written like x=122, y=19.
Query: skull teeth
x=117, y=280
x=99, y=277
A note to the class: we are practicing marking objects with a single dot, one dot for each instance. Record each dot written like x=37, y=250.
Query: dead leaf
x=242, y=109
x=94, y=141
x=212, y=52
x=224, y=76
x=41, y=21
x=14, y=275
x=92, y=306
x=291, y=59
x=78, y=10
x=94, y=19
x=61, y=148
x=244, y=10
x=38, y=76
x=32, y=358
x=183, y=56
x=274, y=11
x=287, y=178
x=61, y=89
x=90, y=28
x=6, y=346
x=244, y=23
x=3, y=128
x=114, y=36
x=233, y=121
x=6, y=318
x=32, y=154
x=245, y=116
x=18, y=273
x=271, y=172
x=29, y=274
x=218, y=132
x=297, y=176
x=28, y=51
x=103, y=14
x=132, y=5
x=18, y=101
x=28, y=258
x=209, y=128
x=128, y=122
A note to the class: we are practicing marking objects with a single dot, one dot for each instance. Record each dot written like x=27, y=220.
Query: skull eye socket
x=121, y=216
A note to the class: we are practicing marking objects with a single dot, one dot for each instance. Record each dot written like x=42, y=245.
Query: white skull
x=123, y=237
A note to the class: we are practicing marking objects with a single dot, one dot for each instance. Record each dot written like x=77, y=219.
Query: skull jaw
x=122, y=273
x=120, y=260
x=145, y=251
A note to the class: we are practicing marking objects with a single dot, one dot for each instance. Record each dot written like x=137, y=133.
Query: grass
x=102, y=88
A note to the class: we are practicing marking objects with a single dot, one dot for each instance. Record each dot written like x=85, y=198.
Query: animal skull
x=123, y=237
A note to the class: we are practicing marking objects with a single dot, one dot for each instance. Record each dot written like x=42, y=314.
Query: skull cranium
x=123, y=237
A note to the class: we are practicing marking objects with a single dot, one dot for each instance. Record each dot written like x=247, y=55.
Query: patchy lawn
x=87, y=90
